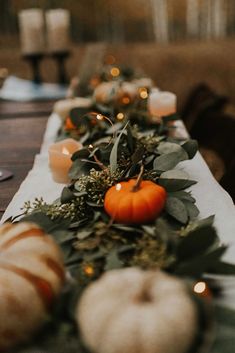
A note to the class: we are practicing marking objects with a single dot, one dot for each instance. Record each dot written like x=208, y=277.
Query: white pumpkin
x=143, y=82
x=113, y=90
x=31, y=276
x=63, y=106
x=131, y=310
x=106, y=91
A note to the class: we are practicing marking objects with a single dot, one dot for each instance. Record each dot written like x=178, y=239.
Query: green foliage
x=176, y=241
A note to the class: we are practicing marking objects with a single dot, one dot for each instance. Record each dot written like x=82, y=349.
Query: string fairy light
x=120, y=116
x=143, y=92
x=115, y=72
x=89, y=270
x=199, y=287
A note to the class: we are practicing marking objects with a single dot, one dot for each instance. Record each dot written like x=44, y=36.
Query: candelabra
x=5, y=174
x=34, y=60
x=60, y=57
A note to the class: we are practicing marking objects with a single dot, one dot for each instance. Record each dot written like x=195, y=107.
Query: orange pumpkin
x=69, y=124
x=126, y=203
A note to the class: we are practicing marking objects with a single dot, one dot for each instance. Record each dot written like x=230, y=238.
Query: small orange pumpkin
x=69, y=124
x=128, y=203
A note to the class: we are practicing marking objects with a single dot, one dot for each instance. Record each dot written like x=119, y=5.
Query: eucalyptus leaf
x=138, y=154
x=45, y=222
x=223, y=268
x=175, y=184
x=63, y=236
x=114, y=128
x=176, y=209
x=166, y=147
x=79, y=194
x=77, y=114
x=83, y=153
x=174, y=174
x=126, y=228
x=66, y=195
x=84, y=233
x=191, y=147
x=169, y=160
x=74, y=258
x=182, y=195
x=85, y=137
x=197, y=242
x=114, y=152
x=192, y=209
x=80, y=167
x=200, y=264
x=112, y=261
x=197, y=224
x=130, y=139
x=103, y=109
x=93, y=204
x=150, y=230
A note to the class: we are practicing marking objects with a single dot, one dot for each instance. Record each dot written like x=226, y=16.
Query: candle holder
x=60, y=57
x=34, y=60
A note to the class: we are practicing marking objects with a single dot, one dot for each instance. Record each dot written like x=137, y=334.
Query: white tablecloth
x=211, y=198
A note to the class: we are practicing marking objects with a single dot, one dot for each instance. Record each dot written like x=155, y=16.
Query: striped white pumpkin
x=31, y=276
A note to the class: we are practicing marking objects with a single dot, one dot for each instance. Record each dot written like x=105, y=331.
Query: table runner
x=211, y=198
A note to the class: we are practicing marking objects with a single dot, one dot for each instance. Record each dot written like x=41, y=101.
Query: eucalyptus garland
x=115, y=150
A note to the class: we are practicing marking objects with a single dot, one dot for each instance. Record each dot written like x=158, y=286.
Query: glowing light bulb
x=199, y=287
x=89, y=270
x=120, y=116
x=91, y=146
x=99, y=117
x=115, y=71
x=143, y=93
x=126, y=100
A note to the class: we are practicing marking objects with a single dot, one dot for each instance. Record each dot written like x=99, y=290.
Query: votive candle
x=60, y=154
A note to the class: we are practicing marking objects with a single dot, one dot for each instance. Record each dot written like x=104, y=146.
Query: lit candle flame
x=65, y=151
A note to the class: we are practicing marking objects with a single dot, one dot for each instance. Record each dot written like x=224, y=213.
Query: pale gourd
x=113, y=91
x=31, y=276
x=63, y=106
x=136, y=311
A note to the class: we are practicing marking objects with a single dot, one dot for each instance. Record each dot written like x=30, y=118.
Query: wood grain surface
x=21, y=133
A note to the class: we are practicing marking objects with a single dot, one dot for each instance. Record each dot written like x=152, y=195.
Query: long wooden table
x=21, y=130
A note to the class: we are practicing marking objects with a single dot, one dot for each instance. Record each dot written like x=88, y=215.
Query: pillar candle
x=31, y=25
x=58, y=27
x=161, y=103
x=60, y=154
